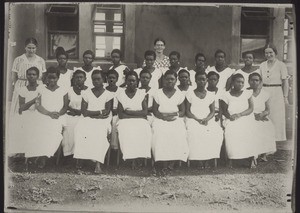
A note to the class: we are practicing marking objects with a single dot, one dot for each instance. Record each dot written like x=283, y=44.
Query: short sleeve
x=156, y=96
x=119, y=96
x=43, y=65
x=212, y=97
x=189, y=96
x=181, y=97
x=22, y=91
x=248, y=93
x=15, y=66
x=109, y=96
x=283, y=71
x=224, y=97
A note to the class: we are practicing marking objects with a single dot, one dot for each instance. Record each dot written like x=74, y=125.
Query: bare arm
x=285, y=89
x=42, y=110
x=122, y=113
x=224, y=108
x=245, y=112
x=211, y=113
x=140, y=113
x=87, y=113
x=25, y=106
x=181, y=109
x=65, y=106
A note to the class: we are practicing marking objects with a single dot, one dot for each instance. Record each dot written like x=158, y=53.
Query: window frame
x=96, y=8
x=49, y=32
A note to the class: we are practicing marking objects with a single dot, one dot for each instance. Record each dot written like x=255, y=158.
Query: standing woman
x=20, y=65
x=134, y=130
x=184, y=79
x=248, y=58
x=65, y=73
x=237, y=107
x=88, y=68
x=121, y=69
x=74, y=112
x=205, y=136
x=275, y=80
x=169, y=133
x=200, y=66
x=222, y=69
x=265, y=128
x=93, y=128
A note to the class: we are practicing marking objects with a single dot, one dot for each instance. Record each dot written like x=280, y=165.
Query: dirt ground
x=121, y=189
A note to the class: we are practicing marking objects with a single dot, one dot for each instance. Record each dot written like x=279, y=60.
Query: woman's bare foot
x=98, y=169
x=78, y=164
x=207, y=166
x=229, y=164
x=42, y=162
x=264, y=158
x=253, y=164
x=201, y=166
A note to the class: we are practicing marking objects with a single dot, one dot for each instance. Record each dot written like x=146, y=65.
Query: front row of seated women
x=169, y=124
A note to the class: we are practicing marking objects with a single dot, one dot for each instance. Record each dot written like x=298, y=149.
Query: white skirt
x=204, y=141
x=240, y=137
x=265, y=137
x=135, y=138
x=68, y=134
x=90, y=138
x=46, y=135
x=169, y=140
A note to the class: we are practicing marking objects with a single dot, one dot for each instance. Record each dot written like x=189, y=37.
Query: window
x=62, y=29
x=288, y=32
x=108, y=24
x=255, y=30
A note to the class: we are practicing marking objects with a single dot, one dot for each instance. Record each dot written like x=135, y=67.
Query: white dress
x=169, y=137
x=91, y=133
x=275, y=75
x=204, y=141
x=65, y=79
x=47, y=132
x=71, y=122
x=265, y=129
x=151, y=94
x=246, y=77
x=224, y=75
x=20, y=130
x=114, y=143
x=239, y=134
x=156, y=76
x=88, y=82
x=134, y=133
x=120, y=70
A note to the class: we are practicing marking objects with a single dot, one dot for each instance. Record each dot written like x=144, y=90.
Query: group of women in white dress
x=160, y=111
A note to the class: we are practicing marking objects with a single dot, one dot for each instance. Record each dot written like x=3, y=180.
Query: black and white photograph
x=149, y=107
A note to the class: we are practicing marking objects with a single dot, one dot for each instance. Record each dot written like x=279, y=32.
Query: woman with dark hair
x=162, y=61
x=88, y=68
x=200, y=66
x=237, y=107
x=65, y=73
x=275, y=80
x=222, y=69
x=134, y=130
x=248, y=58
x=119, y=67
x=20, y=65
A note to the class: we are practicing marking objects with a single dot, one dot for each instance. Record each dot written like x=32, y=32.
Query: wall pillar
x=236, y=35
x=129, y=42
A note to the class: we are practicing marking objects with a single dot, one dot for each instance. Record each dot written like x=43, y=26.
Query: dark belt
x=272, y=85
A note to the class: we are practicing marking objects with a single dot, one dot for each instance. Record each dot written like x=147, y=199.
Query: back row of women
x=173, y=113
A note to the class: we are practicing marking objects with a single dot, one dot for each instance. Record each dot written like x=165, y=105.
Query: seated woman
x=205, y=136
x=265, y=129
x=134, y=130
x=237, y=107
x=52, y=105
x=169, y=133
x=74, y=111
x=19, y=135
x=93, y=128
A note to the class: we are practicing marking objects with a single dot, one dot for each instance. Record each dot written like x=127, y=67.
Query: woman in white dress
x=222, y=69
x=120, y=68
x=20, y=65
x=134, y=130
x=239, y=125
x=49, y=122
x=200, y=66
x=156, y=73
x=94, y=127
x=248, y=58
x=169, y=133
x=205, y=135
x=88, y=68
x=275, y=81
x=74, y=111
x=145, y=78
x=65, y=73
x=19, y=136
x=265, y=128
x=184, y=81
